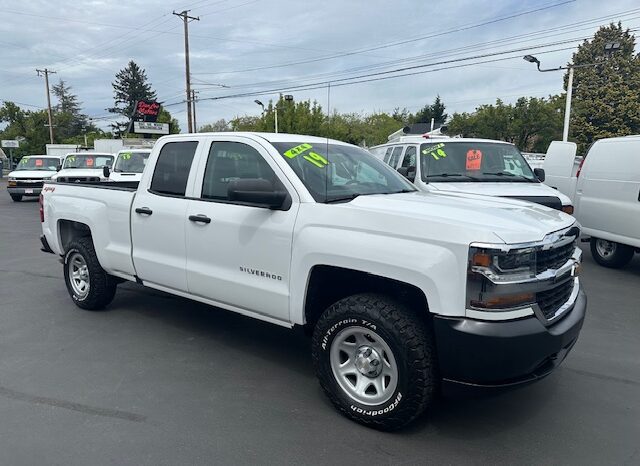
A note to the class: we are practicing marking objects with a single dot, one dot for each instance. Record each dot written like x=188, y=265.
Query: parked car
x=404, y=292
x=605, y=188
x=81, y=167
x=27, y=179
x=128, y=166
x=474, y=166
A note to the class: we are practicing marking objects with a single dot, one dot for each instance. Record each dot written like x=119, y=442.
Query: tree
x=68, y=118
x=165, y=117
x=129, y=86
x=216, y=126
x=435, y=111
x=606, y=98
x=27, y=124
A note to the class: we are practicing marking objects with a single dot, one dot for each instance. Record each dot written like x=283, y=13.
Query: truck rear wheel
x=16, y=197
x=375, y=361
x=611, y=254
x=88, y=284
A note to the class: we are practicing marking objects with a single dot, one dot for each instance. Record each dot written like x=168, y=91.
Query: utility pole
x=193, y=99
x=46, y=73
x=185, y=18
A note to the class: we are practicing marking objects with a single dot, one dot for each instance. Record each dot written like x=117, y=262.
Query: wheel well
x=328, y=284
x=70, y=230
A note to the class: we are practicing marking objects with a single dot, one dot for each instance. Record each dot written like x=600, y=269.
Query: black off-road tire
x=16, y=197
x=410, y=340
x=102, y=286
x=619, y=256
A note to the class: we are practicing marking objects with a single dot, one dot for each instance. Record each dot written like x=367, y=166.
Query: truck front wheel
x=610, y=254
x=375, y=360
x=88, y=284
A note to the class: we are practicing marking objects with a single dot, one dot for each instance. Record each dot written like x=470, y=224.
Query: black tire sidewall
x=621, y=256
x=352, y=407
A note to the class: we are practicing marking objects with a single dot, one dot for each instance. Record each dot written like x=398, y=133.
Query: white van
x=128, y=166
x=605, y=188
x=474, y=166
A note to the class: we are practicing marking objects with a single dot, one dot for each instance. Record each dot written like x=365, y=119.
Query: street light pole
x=609, y=48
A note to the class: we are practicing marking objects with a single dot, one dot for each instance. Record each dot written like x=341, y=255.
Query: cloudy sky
x=297, y=47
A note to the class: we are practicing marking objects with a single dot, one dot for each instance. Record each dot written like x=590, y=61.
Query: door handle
x=199, y=218
x=143, y=211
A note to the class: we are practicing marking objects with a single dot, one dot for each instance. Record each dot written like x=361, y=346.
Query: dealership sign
x=148, y=127
x=10, y=143
x=146, y=111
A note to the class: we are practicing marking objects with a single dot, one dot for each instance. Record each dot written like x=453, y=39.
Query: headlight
x=500, y=266
x=11, y=178
x=490, y=269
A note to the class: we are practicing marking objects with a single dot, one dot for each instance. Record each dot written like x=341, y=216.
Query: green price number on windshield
x=436, y=152
x=126, y=155
x=295, y=151
x=316, y=159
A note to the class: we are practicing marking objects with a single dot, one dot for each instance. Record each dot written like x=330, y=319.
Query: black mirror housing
x=58, y=168
x=106, y=171
x=408, y=172
x=539, y=172
x=259, y=193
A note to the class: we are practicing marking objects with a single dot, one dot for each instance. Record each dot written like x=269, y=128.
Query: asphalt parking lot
x=162, y=380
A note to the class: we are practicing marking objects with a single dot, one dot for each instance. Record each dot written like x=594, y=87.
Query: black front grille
x=551, y=300
x=553, y=258
x=29, y=184
x=78, y=179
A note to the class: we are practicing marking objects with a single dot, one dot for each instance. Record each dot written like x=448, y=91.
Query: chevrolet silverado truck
x=405, y=292
x=30, y=174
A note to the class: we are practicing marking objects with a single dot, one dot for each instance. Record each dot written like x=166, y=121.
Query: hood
x=32, y=174
x=502, y=189
x=512, y=221
x=125, y=176
x=79, y=172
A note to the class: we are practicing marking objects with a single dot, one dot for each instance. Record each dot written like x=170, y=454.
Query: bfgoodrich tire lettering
x=407, y=337
x=100, y=287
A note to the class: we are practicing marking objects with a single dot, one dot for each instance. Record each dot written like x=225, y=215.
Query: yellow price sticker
x=295, y=151
x=316, y=159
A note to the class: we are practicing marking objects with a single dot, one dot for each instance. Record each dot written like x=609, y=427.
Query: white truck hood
x=501, y=189
x=512, y=221
x=31, y=174
x=79, y=172
x=125, y=176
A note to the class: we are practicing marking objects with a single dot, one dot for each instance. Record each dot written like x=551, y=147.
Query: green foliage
x=531, y=123
x=435, y=111
x=606, y=98
x=165, y=117
x=67, y=116
x=129, y=86
x=26, y=124
x=217, y=126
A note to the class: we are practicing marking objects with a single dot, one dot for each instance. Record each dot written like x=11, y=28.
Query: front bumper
x=507, y=353
x=25, y=191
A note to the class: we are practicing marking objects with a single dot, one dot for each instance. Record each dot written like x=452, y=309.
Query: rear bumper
x=504, y=354
x=35, y=191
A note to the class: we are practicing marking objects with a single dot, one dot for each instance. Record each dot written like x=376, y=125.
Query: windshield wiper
x=350, y=197
x=522, y=177
x=454, y=175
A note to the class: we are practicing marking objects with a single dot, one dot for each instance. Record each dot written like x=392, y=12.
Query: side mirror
x=58, y=168
x=408, y=172
x=106, y=172
x=259, y=193
x=539, y=172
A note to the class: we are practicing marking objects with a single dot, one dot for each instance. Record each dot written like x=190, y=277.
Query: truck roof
x=271, y=137
x=448, y=140
x=88, y=153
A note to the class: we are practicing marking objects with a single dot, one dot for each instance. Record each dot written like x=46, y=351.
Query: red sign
x=38, y=162
x=474, y=159
x=148, y=110
x=89, y=162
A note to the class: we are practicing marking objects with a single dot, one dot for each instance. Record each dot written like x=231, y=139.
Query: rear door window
x=409, y=160
x=387, y=155
x=395, y=156
x=172, y=168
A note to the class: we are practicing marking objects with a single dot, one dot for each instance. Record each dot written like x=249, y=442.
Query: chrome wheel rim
x=363, y=365
x=79, y=275
x=605, y=248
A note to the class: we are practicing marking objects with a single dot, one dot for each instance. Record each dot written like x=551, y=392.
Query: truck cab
x=82, y=167
x=128, y=166
x=468, y=165
x=30, y=174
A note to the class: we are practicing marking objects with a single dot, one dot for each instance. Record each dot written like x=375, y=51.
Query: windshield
x=336, y=172
x=87, y=161
x=131, y=162
x=473, y=161
x=49, y=164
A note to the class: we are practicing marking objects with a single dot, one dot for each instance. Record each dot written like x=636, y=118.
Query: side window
x=387, y=154
x=172, y=168
x=409, y=160
x=230, y=161
x=395, y=156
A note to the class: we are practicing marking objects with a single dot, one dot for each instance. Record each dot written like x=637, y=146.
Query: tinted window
x=229, y=161
x=38, y=163
x=409, y=160
x=90, y=161
x=387, y=155
x=336, y=172
x=395, y=156
x=172, y=168
x=131, y=162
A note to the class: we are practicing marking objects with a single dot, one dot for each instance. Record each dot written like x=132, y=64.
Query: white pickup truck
x=405, y=292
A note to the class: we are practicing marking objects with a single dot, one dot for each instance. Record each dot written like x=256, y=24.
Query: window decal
x=89, y=162
x=126, y=155
x=313, y=157
x=474, y=159
x=39, y=162
x=437, y=152
x=316, y=159
x=295, y=151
